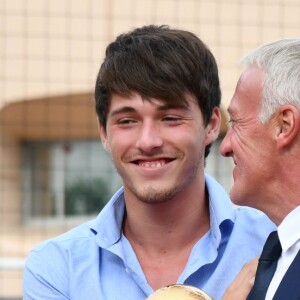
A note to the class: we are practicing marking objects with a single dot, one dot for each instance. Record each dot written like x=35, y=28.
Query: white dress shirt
x=289, y=236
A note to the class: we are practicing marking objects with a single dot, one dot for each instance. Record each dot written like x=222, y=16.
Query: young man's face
x=157, y=149
x=249, y=142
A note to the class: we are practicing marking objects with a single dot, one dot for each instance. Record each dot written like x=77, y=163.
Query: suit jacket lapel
x=289, y=287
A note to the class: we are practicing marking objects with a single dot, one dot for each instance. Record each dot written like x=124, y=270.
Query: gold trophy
x=179, y=292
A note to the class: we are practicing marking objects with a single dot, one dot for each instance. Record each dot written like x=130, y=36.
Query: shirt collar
x=288, y=230
x=222, y=213
x=108, y=225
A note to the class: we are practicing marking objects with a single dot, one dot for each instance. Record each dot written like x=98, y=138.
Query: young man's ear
x=103, y=137
x=288, y=124
x=213, y=127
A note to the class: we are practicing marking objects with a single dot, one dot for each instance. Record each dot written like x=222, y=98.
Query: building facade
x=54, y=173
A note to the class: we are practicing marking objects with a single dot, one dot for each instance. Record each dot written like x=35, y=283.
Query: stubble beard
x=152, y=195
x=158, y=195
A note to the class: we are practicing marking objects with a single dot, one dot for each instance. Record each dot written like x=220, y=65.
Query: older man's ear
x=287, y=125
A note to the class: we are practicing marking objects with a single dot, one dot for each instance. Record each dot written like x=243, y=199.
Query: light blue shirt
x=96, y=261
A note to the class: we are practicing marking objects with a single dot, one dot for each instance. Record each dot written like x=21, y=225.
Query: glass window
x=66, y=178
x=77, y=178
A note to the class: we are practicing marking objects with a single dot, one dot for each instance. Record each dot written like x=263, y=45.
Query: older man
x=264, y=142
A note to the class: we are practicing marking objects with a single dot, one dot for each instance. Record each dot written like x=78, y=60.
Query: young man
x=157, y=97
x=264, y=142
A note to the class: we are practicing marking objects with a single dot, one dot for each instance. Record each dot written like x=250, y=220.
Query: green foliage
x=86, y=196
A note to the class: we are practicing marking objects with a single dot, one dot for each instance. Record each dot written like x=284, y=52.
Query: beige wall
x=55, y=47
x=51, y=49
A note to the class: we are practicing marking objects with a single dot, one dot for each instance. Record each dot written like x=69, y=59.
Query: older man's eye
x=231, y=121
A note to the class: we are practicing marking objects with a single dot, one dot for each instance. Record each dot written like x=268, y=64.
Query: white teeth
x=152, y=164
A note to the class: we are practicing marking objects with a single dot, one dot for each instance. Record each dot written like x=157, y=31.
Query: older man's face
x=249, y=142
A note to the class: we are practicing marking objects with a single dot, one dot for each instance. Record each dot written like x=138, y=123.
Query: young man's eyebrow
x=172, y=106
x=123, y=109
x=126, y=109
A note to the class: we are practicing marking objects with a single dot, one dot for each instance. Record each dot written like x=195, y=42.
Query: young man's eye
x=172, y=119
x=126, y=121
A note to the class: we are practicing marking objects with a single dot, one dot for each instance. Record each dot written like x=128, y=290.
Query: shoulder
x=46, y=271
x=59, y=248
x=249, y=233
x=81, y=232
x=49, y=264
x=252, y=222
x=252, y=214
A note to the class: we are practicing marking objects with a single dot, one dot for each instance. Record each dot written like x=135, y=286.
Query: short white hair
x=280, y=61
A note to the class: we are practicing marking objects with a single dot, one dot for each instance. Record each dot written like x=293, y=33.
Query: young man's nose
x=149, y=137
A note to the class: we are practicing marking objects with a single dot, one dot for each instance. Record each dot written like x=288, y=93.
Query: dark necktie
x=266, y=267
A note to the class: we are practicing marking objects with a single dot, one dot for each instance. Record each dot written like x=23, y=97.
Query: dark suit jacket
x=289, y=287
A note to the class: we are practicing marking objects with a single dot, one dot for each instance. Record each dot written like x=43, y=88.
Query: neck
x=164, y=233
x=280, y=197
x=171, y=225
x=284, y=190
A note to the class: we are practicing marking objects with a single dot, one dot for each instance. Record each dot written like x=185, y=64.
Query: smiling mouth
x=152, y=164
